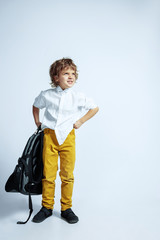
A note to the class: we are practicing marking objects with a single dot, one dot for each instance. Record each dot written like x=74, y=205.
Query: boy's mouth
x=69, y=82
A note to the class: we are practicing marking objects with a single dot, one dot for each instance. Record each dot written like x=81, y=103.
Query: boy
x=62, y=106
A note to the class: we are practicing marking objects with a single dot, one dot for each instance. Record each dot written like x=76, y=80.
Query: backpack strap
x=23, y=161
x=30, y=208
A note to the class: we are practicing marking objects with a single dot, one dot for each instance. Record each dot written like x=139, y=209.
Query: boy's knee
x=66, y=177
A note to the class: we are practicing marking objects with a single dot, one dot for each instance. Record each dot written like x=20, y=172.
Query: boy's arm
x=86, y=117
x=36, y=116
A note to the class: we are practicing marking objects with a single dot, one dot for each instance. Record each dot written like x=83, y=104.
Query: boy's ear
x=56, y=78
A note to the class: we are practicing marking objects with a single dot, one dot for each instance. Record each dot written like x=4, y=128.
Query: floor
x=110, y=216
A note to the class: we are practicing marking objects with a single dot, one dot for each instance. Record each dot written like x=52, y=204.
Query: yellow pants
x=66, y=151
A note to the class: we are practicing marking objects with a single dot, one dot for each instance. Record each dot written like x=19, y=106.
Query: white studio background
x=115, y=45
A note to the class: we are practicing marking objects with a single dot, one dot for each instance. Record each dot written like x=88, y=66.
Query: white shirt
x=62, y=109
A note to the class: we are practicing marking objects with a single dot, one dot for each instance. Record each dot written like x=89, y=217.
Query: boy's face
x=66, y=78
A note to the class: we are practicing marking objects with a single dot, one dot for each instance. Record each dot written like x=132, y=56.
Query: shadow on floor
x=12, y=203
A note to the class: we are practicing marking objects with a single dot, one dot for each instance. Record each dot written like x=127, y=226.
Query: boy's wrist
x=81, y=120
x=38, y=123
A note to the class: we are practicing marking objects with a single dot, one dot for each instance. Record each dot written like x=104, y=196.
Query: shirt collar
x=59, y=89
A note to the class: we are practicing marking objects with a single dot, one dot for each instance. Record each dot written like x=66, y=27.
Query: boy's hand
x=77, y=124
x=38, y=124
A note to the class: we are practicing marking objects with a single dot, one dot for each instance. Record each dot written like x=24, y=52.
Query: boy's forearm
x=89, y=115
x=36, y=115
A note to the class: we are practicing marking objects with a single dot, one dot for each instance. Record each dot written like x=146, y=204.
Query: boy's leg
x=50, y=166
x=67, y=163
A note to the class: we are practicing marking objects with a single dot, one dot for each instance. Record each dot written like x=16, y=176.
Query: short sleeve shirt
x=62, y=109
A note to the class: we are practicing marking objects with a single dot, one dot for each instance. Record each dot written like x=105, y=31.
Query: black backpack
x=28, y=173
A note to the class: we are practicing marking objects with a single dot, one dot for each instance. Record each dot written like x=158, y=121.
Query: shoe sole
x=71, y=222
x=39, y=221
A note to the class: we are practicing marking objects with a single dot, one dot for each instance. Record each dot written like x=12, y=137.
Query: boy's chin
x=69, y=86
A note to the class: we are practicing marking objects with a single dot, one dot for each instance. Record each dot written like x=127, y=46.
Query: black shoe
x=69, y=216
x=42, y=215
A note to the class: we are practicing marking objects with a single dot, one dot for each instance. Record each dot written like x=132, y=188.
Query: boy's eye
x=68, y=73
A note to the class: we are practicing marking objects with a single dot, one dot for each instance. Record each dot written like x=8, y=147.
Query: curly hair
x=58, y=66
